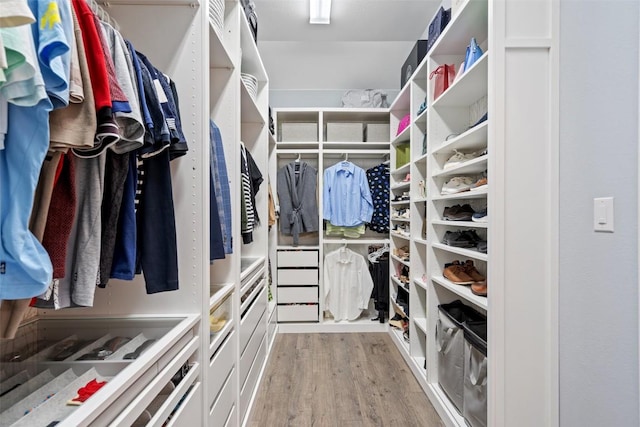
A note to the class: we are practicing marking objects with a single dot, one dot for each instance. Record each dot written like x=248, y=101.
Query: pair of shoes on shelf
x=401, y=197
x=462, y=273
x=458, y=158
x=465, y=239
x=402, y=253
x=458, y=213
x=460, y=184
x=401, y=229
x=401, y=213
x=479, y=288
x=480, y=216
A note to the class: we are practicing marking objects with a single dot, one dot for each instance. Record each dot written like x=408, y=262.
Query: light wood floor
x=340, y=380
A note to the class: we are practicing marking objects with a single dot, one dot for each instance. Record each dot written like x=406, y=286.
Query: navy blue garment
x=177, y=140
x=157, y=243
x=124, y=254
x=156, y=138
x=378, y=179
x=180, y=148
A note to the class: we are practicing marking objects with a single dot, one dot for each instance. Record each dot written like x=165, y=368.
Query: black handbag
x=437, y=25
x=250, y=12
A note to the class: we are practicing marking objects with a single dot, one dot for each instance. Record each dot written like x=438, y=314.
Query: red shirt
x=95, y=57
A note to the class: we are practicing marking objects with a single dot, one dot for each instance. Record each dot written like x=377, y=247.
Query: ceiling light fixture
x=319, y=11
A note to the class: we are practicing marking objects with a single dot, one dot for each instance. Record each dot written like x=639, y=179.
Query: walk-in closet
x=248, y=213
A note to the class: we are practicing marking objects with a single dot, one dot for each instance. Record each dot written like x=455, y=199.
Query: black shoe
x=457, y=239
x=458, y=213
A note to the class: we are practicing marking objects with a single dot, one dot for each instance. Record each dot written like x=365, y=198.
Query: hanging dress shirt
x=346, y=196
x=347, y=284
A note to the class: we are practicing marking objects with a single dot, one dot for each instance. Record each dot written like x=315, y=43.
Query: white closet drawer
x=298, y=277
x=298, y=294
x=246, y=359
x=297, y=258
x=160, y=417
x=251, y=318
x=249, y=386
x=190, y=411
x=272, y=326
x=298, y=313
x=142, y=399
x=219, y=413
x=220, y=366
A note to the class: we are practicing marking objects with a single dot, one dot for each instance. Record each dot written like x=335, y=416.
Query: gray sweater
x=297, y=196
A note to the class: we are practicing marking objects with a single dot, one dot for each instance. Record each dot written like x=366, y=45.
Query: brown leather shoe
x=479, y=288
x=472, y=272
x=455, y=273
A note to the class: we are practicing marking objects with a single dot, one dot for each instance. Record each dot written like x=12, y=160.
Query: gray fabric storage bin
x=475, y=374
x=298, y=132
x=376, y=132
x=450, y=342
x=345, y=132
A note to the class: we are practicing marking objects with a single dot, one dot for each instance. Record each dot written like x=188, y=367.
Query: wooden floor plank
x=347, y=380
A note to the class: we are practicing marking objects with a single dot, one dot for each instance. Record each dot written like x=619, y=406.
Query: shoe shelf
x=419, y=200
x=461, y=251
x=471, y=86
x=476, y=194
x=400, y=236
x=400, y=342
x=400, y=260
x=463, y=291
x=465, y=224
x=356, y=241
x=400, y=202
x=404, y=169
x=420, y=240
x=400, y=219
x=471, y=140
x=402, y=137
x=402, y=186
x=420, y=158
x=395, y=280
x=421, y=283
x=421, y=323
x=474, y=166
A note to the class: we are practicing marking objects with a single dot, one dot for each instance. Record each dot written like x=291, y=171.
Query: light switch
x=603, y=214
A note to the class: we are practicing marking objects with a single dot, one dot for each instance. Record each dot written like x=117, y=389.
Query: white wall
x=598, y=157
x=329, y=69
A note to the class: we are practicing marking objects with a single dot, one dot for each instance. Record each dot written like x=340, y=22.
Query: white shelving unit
x=217, y=322
x=321, y=154
x=507, y=36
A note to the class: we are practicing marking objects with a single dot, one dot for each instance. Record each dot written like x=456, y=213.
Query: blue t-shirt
x=25, y=266
x=53, y=35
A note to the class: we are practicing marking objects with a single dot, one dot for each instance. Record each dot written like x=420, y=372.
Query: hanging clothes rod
x=102, y=14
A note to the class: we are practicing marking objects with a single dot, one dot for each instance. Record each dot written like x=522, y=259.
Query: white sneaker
x=458, y=158
x=457, y=184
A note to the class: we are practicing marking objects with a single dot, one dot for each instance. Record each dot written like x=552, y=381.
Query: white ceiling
x=363, y=47
x=351, y=20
